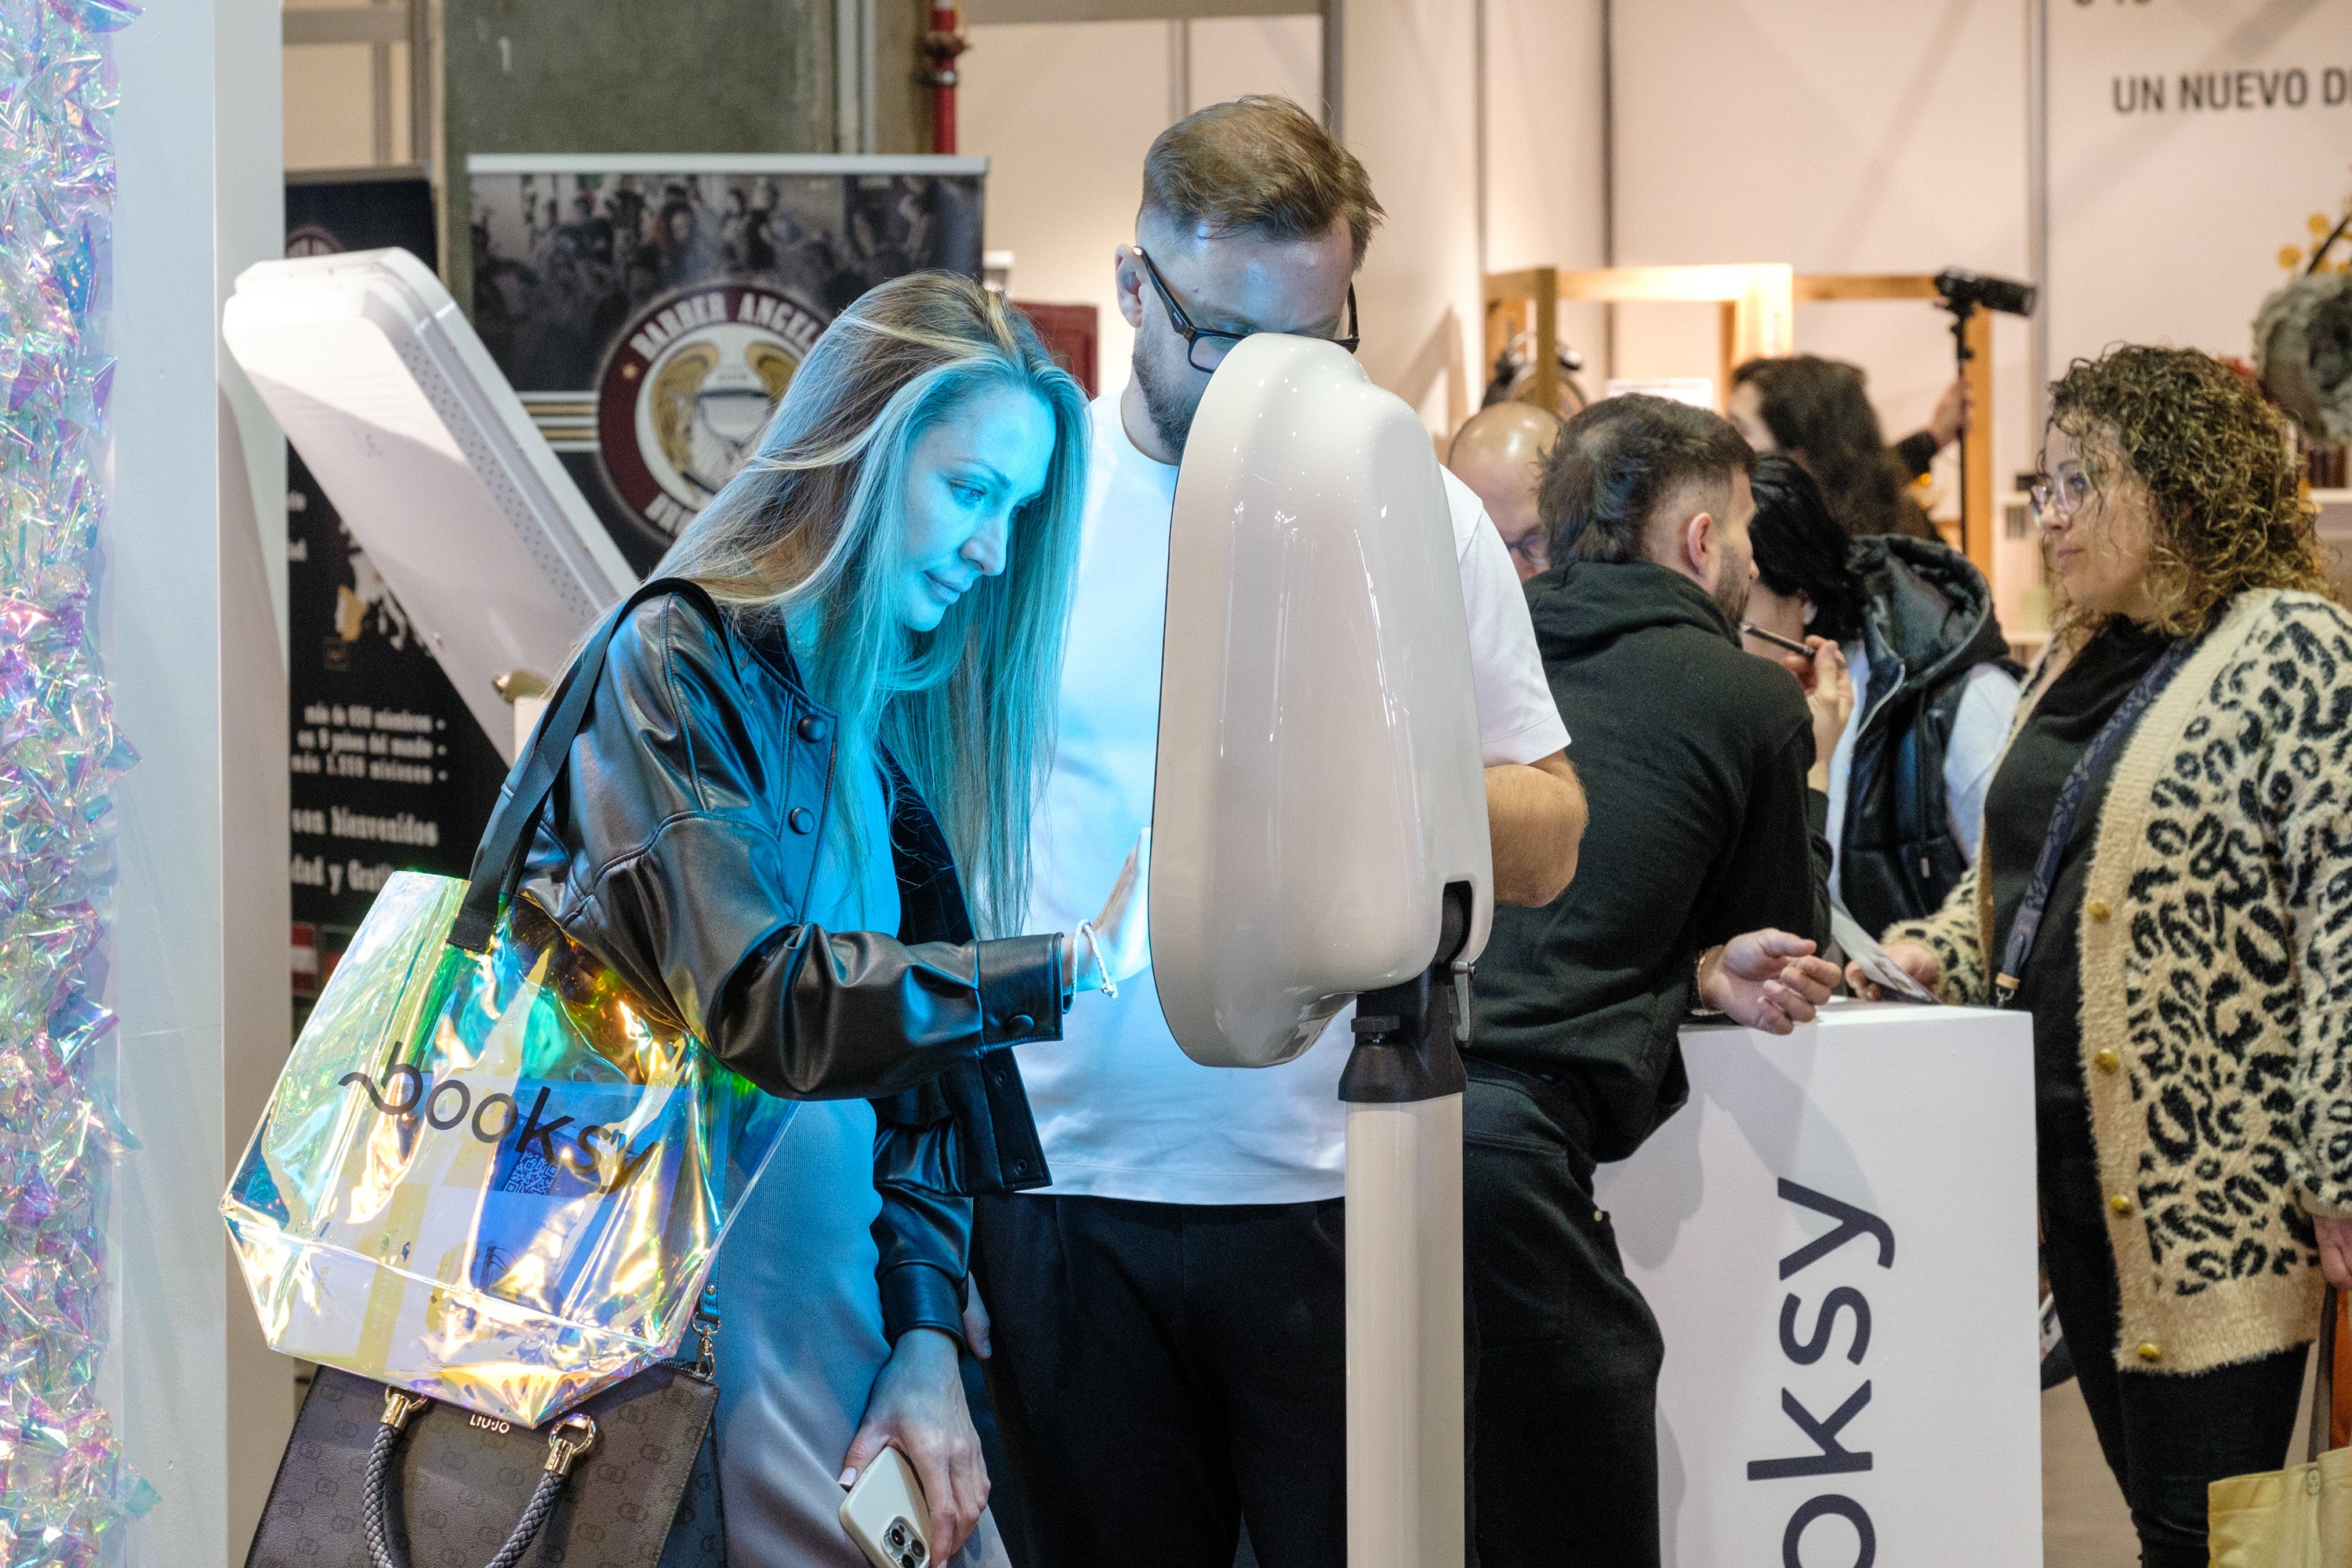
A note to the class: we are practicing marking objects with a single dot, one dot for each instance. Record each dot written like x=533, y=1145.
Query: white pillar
x=1406, y=1480
x=1544, y=117
x=1410, y=115
x=194, y=577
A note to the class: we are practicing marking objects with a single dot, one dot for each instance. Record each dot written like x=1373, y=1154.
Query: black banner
x=389, y=770
x=651, y=321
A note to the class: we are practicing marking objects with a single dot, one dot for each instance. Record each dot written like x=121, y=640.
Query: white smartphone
x=884, y=1513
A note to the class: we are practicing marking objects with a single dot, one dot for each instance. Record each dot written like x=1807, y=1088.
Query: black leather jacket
x=677, y=846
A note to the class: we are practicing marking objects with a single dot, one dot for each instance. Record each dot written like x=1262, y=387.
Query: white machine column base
x=1405, y=1414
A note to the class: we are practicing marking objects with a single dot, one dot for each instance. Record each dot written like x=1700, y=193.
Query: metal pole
x=848, y=77
x=866, y=137
x=1335, y=68
x=1607, y=177
x=380, y=100
x=420, y=83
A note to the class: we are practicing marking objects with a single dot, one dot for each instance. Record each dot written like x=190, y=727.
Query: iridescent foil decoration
x=63, y=1484
x=490, y=1179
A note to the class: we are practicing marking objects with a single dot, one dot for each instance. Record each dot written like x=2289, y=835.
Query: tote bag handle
x=2323, y=1379
x=498, y=864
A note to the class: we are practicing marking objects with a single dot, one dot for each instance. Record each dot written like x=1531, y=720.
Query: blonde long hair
x=811, y=528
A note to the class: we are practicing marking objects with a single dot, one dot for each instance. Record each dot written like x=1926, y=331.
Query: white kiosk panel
x=381, y=386
x=1841, y=1222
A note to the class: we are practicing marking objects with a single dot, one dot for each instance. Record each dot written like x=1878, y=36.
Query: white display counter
x=1837, y=1235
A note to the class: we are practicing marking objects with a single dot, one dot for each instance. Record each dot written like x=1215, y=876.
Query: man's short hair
x=1619, y=461
x=1258, y=165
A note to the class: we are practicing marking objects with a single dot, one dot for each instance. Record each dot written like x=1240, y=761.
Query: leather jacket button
x=1019, y=1024
x=811, y=728
x=1020, y=1167
x=801, y=819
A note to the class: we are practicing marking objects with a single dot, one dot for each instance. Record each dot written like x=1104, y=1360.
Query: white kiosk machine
x=381, y=386
x=1319, y=837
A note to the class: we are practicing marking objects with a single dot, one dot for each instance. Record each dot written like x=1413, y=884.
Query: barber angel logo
x=687, y=391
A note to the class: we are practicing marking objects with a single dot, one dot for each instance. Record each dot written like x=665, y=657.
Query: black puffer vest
x=1927, y=622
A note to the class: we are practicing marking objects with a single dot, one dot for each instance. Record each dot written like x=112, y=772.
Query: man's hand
x=918, y=1408
x=2335, y=1249
x=1534, y=821
x=1828, y=693
x=1767, y=980
x=1953, y=411
x=1912, y=958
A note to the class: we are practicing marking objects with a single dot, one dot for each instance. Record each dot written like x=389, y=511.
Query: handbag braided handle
x=573, y=1435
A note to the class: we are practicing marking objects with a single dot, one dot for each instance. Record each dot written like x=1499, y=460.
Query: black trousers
x=1164, y=1372
x=1565, y=1431
x=2165, y=1437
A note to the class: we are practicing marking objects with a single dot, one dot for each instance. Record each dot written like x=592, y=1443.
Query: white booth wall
x=1839, y=136
x=1064, y=112
x=189, y=641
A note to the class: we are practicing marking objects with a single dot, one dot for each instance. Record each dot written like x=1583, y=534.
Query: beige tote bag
x=2300, y=1517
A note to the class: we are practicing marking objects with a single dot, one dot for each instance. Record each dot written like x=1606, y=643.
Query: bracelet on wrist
x=1094, y=946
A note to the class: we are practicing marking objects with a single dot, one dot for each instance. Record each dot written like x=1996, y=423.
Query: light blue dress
x=802, y=1339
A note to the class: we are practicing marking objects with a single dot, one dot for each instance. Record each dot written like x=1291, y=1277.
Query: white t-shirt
x=1123, y=1112
x=1979, y=730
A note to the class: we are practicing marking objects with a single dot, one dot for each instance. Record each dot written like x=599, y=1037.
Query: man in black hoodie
x=1700, y=888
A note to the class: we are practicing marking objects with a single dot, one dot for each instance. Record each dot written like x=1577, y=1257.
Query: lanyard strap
x=2111, y=735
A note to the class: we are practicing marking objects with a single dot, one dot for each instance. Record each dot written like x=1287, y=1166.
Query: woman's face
x=2098, y=529
x=971, y=470
x=1785, y=614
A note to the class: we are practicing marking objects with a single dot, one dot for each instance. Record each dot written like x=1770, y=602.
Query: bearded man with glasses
x=1169, y=1348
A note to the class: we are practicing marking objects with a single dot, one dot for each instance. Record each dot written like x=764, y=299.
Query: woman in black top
x=2174, y=806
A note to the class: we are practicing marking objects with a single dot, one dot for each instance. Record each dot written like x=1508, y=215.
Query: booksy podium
x=1319, y=837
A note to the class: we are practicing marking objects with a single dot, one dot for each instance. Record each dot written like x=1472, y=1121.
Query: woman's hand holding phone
x=917, y=1408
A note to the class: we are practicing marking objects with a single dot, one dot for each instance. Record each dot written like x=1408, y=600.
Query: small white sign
x=1837, y=1235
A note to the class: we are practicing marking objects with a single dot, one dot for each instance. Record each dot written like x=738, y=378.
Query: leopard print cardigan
x=2217, y=985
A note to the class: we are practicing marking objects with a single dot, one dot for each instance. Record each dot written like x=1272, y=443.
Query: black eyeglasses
x=1207, y=350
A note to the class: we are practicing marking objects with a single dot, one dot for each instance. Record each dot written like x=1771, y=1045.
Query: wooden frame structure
x=1756, y=303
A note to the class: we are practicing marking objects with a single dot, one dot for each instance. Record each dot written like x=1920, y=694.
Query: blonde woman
x=2165, y=883
x=805, y=782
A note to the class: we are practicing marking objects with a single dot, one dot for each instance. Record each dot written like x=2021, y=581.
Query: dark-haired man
x=1706, y=766
x=1169, y=1334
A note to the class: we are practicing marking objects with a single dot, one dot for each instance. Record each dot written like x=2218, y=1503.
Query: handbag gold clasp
x=563, y=1447
x=399, y=1405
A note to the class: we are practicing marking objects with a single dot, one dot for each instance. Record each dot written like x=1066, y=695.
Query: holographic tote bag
x=488, y=1174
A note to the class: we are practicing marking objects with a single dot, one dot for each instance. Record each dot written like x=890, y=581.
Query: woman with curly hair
x=2165, y=883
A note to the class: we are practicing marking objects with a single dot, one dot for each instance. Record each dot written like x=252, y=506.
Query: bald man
x=1499, y=452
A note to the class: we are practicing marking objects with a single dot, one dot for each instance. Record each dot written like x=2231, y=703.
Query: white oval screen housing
x=1320, y=780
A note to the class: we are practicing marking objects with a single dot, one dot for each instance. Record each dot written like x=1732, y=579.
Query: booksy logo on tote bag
x=490, y=1173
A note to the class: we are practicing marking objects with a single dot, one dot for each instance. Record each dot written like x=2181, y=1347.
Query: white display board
x=1837, y=1235
x=2191, y=144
